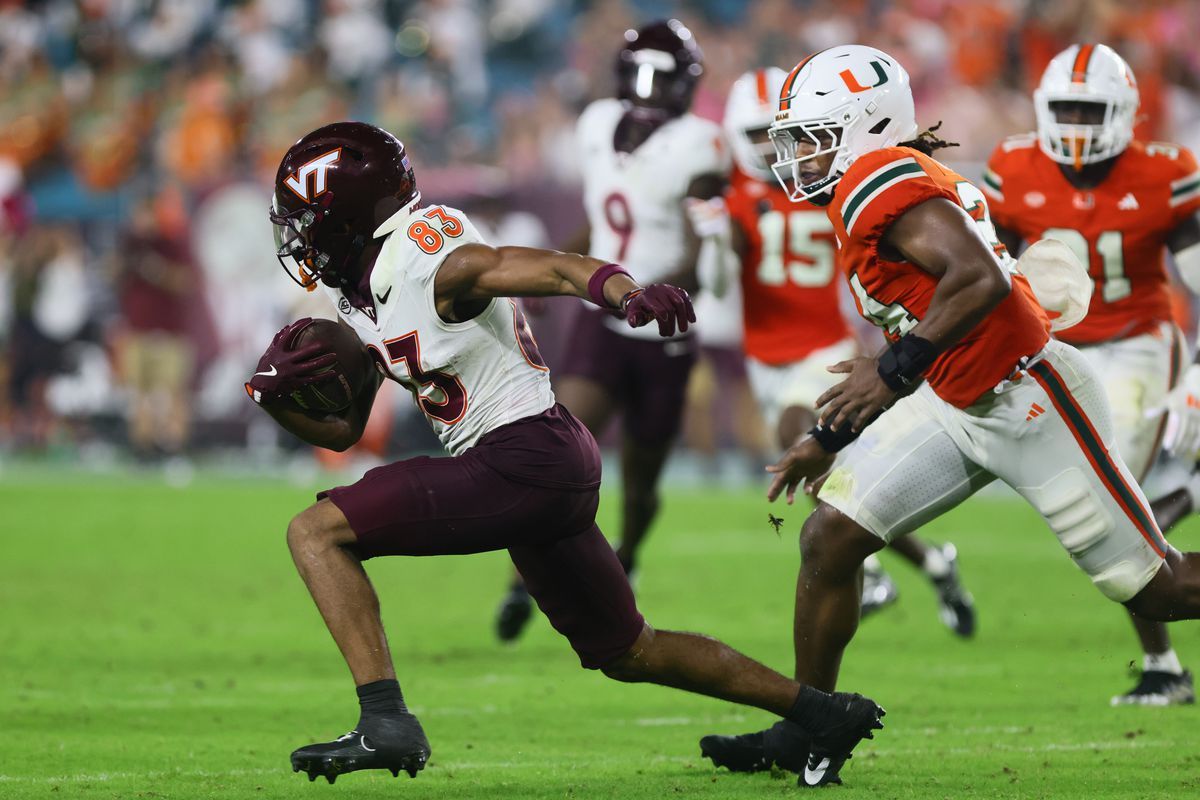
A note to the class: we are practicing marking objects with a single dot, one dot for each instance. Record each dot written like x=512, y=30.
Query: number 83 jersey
x=634, y=201
x=468, y=378
x=1118, y=228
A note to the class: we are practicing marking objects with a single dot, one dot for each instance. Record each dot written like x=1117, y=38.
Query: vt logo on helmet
x=1085, y=105
x=316, y=170
x=845, y=101
x=334, y=190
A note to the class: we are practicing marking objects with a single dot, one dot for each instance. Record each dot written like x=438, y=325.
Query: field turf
x=156, y=643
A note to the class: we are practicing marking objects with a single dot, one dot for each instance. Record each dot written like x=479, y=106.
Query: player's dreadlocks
x=927, y=141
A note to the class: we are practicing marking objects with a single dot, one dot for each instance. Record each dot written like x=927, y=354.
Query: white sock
x=935, y=564
x=1162, y=662
x=872, y=565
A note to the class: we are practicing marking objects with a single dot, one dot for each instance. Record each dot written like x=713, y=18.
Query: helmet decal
x=317, y=169
x=1079, y=68
x=852, y=82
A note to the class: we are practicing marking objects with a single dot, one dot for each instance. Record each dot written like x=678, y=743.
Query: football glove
x=669, y=305
x=1182, y=435
x=282, y=370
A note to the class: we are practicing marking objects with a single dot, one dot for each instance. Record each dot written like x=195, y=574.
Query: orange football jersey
x=876, y=190
x=789, y=273
x=1118, y=229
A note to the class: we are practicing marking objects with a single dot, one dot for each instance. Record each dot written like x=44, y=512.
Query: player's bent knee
x=1172, y=594
x=635, y=665
x=318, y=527
x=833, y=543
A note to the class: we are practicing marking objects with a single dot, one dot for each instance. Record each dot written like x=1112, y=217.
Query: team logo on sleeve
x=314, y=173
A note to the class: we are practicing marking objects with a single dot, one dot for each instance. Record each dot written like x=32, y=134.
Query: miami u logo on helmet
x=852, y=82
x=316, y=169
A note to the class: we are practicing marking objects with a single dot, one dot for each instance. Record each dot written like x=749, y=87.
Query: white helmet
x=848, y=100
x=750, y=110
x=1086, y=74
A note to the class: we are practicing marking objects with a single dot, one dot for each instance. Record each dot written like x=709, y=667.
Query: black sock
x=381, y=699
x=811, y=704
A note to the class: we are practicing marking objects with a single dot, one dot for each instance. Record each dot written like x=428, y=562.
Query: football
x=345, y=378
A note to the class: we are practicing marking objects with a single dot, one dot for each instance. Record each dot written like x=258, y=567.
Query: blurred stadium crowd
x=138, y=140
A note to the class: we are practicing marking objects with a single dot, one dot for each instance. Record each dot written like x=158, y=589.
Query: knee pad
x=1071, y=508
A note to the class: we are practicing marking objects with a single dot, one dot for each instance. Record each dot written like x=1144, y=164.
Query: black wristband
x=831, y=440
x=902, y=364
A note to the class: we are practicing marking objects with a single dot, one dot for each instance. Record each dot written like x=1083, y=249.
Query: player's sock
x=380, y=699
x=935, y=565
x=1162, y=662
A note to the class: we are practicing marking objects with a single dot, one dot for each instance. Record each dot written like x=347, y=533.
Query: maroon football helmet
x=659, y=67
x=333, y=190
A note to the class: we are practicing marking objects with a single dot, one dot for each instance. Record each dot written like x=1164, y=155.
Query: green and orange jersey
x=875, y=191
x=1119, y=229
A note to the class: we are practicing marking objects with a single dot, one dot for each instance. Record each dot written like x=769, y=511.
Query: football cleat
x=391, y=743
x=1157, y=688
x=834, y=741
x=956, y=607
x=784, y=744
x=879, y=591
x=514, y=614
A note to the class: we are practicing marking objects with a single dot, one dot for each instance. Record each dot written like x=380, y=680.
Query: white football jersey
x=468, y=378
x=634, y=201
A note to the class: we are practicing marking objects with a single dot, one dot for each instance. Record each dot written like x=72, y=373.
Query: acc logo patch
x=1035, y=199
x=344, y=305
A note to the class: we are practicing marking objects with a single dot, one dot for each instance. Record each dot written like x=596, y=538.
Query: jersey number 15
x=810, y=248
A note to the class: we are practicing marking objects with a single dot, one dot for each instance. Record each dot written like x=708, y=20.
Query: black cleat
x=784, y=744
x=956, y=607
x=1158, y=688
x=513, y=614
x=834, y=739
x=391, y=743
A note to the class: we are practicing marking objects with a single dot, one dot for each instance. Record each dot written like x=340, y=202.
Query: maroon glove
x=282, y=370
x=669, y=305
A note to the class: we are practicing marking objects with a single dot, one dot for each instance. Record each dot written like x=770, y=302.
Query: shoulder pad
x=1020, y=141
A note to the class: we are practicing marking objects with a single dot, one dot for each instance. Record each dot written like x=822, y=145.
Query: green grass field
x=156, y=643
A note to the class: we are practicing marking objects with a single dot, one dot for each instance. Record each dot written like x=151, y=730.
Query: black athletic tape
x=902, y=364
x=831, y=440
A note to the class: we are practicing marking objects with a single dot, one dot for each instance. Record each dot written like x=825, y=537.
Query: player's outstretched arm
x=475, y=273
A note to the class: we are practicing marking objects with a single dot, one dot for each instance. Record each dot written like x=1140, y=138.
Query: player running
x=1083, y=179
x=971, y=389
x=429, y=299
x=794, y=327
x=646, y=162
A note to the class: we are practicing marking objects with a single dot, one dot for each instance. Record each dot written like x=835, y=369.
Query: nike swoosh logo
x=273, y=372
x=386, y=295
x=363, y=742
x=813, y=776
